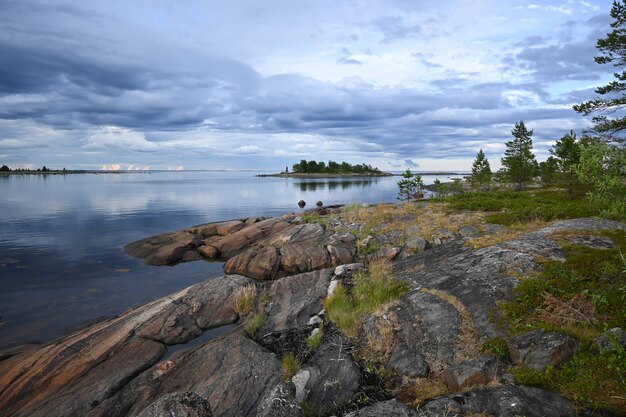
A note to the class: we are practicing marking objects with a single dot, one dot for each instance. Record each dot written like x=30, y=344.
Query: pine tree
x=548, y=169
x=409, y=185
x=519, y=161
x=613, y=51
x=481, y=171
x=567, y=150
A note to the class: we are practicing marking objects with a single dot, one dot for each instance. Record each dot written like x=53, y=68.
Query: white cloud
x=120, y=138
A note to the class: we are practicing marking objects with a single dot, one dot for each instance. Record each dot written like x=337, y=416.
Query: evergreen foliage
x=548, y=170
x=481, y=171
x=603, y=167
x=613, y=51
x=313, y=167
x=409, y=185
x=519, y=161
x=567, y=150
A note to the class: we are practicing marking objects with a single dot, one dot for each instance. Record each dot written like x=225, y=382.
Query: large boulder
x=295, y=299
x=330, y=377
x=503, y=401
x=280, y=402
x=538, y=349
x=472, y=373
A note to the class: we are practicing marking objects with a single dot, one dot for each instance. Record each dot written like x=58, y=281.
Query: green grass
x=254, y=324
x=545, y=204
x=289, y=366
x=314, y=341
x=583, y=296
x=371, y=290
x=499, y=348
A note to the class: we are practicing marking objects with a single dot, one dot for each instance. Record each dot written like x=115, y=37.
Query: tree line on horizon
x=6, y=168
x=313, y=167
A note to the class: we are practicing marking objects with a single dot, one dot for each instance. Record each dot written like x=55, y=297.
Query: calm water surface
x=61, y=237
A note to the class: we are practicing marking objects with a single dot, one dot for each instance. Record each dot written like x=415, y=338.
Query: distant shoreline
x=346, y=175
x=70, y=172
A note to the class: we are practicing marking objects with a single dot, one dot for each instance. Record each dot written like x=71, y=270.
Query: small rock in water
x=319, y=204
x=301, y=203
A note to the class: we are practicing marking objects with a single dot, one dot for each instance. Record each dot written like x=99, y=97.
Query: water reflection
x=61, y=236
x=343, y=184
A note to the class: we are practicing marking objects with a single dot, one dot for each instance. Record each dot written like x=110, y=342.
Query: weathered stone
x=348, y=270
x=296, y=299
x=210, y=252
x=164, y=249
x=385, y=254
x=391, y=408
x=413, y=230
x=330, y=377
x=416, y=245
x=610, y=340
x=297, y=258
x=280, y=402
x=341, y=254
x=408, y=362
x=233, y=373
x=503, y=400
x=468, y=231
x=301, y=203
x=264, y=265
x=70, y=375
x=597, y=242
x=190, y=256
x=178, y=404
x=472, y=373
x=538, y=349
x=226, y=228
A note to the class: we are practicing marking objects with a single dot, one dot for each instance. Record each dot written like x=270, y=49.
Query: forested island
x=306, y=168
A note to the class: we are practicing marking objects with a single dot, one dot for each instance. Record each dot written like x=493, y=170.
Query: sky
x=248, y=84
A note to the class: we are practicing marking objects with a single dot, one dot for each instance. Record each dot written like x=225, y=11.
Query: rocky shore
x=291, y=264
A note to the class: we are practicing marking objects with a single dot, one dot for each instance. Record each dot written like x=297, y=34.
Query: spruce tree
x=519, y=161
x=481, y=171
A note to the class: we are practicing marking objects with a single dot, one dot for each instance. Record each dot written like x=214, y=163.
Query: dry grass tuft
x=379, y=344
x=507, y=233
x=244, y=300
x=419, y=390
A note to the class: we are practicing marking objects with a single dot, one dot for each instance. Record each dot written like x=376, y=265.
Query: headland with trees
x=332, y=169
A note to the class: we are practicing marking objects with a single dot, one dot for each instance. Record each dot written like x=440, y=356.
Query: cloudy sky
x=262, y=84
